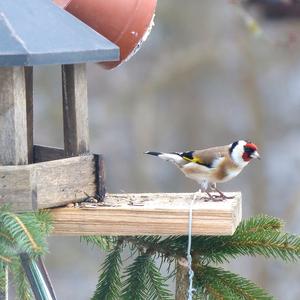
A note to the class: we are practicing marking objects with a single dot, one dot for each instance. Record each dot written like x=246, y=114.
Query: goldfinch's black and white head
x=242, y=152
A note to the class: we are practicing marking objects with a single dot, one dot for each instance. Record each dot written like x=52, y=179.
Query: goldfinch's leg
x=203, y=187
x=222, y=196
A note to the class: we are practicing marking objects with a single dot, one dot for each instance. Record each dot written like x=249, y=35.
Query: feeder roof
x=37, y=32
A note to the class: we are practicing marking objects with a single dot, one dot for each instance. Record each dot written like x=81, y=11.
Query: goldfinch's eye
x=248, y=150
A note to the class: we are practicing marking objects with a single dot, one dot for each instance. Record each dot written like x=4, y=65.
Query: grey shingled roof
x=37, y=32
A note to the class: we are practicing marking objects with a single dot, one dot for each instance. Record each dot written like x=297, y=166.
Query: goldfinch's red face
x=250, y=151
x=242, y=152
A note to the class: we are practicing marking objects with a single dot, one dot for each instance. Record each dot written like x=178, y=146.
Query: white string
x=191, y=290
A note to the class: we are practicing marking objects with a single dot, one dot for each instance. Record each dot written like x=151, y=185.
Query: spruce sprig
x=144, y=281
x=23, y=290
x=21, y=233
x=2, y=279
x=135, y=285
x=157, y=286
x=105, y=243
x=261, y=235
x=257, y=236
x=218, y=284
x=109, y=283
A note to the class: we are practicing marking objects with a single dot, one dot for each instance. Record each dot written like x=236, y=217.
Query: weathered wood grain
x=148, y=214
x=75, y=109
x=59, y=182
x=43, y=154
x=13, y=126
x=48, y=184
x=15, y=186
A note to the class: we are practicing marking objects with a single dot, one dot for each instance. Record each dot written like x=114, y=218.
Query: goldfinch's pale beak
x=255, y=154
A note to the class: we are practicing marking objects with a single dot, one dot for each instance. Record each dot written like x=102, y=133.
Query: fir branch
x=135, y=286
x=44, y=218
x=256, y=236
x=35, y=247
x=23, y=289
x=144, y=281
x=2, y=278
x=176, y=245
x=19, y=232
x=5, y=237
x=261, y=235
x=210, y=292
x=260, y=223
x=5, y=259
x=24, y=232
x=152, y=245
x=105, y=243
x=220, y=284
x=156, y=283
x=109, y=283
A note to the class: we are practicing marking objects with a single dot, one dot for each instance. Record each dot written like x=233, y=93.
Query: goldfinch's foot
x=216, y=198
x=222, y=195
x=199, y=196
x=209, y=198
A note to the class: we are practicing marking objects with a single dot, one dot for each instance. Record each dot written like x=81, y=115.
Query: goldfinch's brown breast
x=225, y=171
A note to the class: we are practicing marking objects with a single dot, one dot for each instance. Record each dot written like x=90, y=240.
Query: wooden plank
x=48, y=184
x=15, y=187
x=29, y=110
x=13, y=133
x=75, y=109
x=63, y=181
x=148, y=214
x=44, y=153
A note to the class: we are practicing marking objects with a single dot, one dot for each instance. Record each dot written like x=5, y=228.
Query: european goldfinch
x=212, y=165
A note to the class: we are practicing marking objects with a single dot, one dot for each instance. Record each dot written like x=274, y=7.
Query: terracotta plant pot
x=124, y=22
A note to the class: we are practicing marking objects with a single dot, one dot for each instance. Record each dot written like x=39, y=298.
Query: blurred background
x=207, y=76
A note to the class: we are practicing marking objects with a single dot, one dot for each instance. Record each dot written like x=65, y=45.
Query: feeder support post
x=13, y=134
x=75, y=109
x=13, y=124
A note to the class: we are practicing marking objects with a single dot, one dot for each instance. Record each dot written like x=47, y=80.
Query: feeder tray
x=149, y=214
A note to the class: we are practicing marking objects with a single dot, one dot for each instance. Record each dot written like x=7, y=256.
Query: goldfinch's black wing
x=207, y=157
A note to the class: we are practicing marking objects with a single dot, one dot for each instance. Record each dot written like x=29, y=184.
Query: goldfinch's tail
x=172, y=157
x=153, y=153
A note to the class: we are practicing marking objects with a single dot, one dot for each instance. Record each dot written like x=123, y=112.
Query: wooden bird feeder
x=35, y=32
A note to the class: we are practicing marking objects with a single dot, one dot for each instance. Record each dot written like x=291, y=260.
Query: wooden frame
x=54, y=177
x=50, y=183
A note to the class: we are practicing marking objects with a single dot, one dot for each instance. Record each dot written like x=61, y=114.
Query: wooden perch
x=148, y=214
